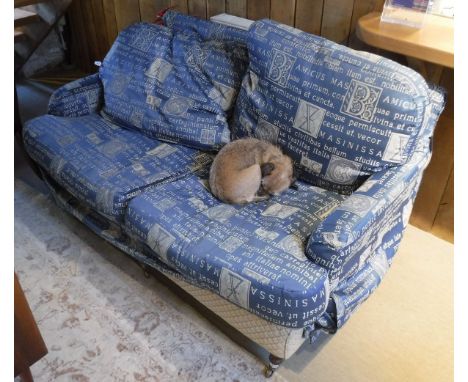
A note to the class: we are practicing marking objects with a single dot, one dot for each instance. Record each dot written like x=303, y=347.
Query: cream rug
x=101, y=319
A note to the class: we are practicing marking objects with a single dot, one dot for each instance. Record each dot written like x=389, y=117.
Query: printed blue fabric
x=341, y=114
x=252, y=255
x=207, y=30
x=114, y=234
x=77, y=98
x=376, y=214
x=103, y=164
x=173, y=84
x=373, y=217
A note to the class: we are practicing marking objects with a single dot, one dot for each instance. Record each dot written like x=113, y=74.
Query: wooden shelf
x=22, y=3
x=24, y=17
x=19, y=35
x=432, y=43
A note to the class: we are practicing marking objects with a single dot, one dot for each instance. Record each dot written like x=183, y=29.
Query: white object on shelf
x=410, y=13
x=232, y=21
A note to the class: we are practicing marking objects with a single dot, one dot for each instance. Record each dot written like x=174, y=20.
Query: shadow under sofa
x=281, y=271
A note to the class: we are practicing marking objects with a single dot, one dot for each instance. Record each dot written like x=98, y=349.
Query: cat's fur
x=248, y=170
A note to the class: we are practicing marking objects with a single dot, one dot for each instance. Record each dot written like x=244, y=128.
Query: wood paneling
x=149, y=8
x=446, y=81
x=360, y=8
x=237, y=7
x=258, y=9
x=95, y=24
x=80, y=50
x=110, y=20
x=91, y=33
x=197, y=8
x=436, y=176
x=443, y=224
x=215, y=7
x=283, y=11
x=336, y=24
x=309, y=15
x=100, y=27
x=180, y=5
x=126, y=12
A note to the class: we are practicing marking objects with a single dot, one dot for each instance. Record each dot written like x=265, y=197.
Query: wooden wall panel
x=215, y=7
x=283, y=11
x=110, y=20
x=180, y=5
x=309, y=15
x=90, y=30
x=126, y=12
x=436, y=176
x=197, y=8
x=149, y=8
x=336, y=24
x=443, y=224
x=447, y=82
x=432, y=199
x=360, y=9
x=80, y=49
x=258, y=9
x=237, y=7
x=100, y=28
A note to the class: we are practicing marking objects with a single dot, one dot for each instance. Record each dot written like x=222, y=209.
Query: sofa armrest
x=374, y=216
x=80, y=97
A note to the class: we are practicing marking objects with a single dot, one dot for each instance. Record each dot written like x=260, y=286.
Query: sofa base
x=280, y=342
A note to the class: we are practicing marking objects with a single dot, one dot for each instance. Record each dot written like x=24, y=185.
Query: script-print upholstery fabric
x=77, y=98
x=374, y=217
x=252, y=255
x=172, y=84
x=275, y=339
x=344, y=298
x=341, y=114
x=103, y=164
x=207, y=30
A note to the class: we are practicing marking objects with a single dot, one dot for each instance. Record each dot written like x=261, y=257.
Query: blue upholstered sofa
x=127, y=151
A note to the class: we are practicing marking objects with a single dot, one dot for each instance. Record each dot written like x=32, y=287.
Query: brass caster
x=272, y=366
x=268, y=372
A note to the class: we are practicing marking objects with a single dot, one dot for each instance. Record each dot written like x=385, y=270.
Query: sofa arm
x=374, y=216
x=81, y=97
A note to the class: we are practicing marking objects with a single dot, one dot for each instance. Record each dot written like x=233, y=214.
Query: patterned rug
x=101, y=319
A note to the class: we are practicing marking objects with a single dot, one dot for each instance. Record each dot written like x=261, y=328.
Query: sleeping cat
x=248, y=170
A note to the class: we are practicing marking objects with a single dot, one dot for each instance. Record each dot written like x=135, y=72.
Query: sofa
x=127, y=151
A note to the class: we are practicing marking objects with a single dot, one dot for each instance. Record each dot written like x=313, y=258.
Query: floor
x=404, y=332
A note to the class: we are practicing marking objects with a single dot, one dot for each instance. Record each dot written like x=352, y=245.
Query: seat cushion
x=341, y=114
x=252, y=255
x=173, y=84
x=103, y=164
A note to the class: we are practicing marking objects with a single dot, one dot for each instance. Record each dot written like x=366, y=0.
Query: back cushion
x=339, y=113
x=173, y=84
x=207, y=30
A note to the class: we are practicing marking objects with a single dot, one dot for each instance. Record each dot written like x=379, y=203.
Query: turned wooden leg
x=273, y=365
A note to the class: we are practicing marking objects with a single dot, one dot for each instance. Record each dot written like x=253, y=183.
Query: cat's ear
x=267, y=168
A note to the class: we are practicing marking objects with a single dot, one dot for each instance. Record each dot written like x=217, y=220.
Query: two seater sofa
x=127, y=151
